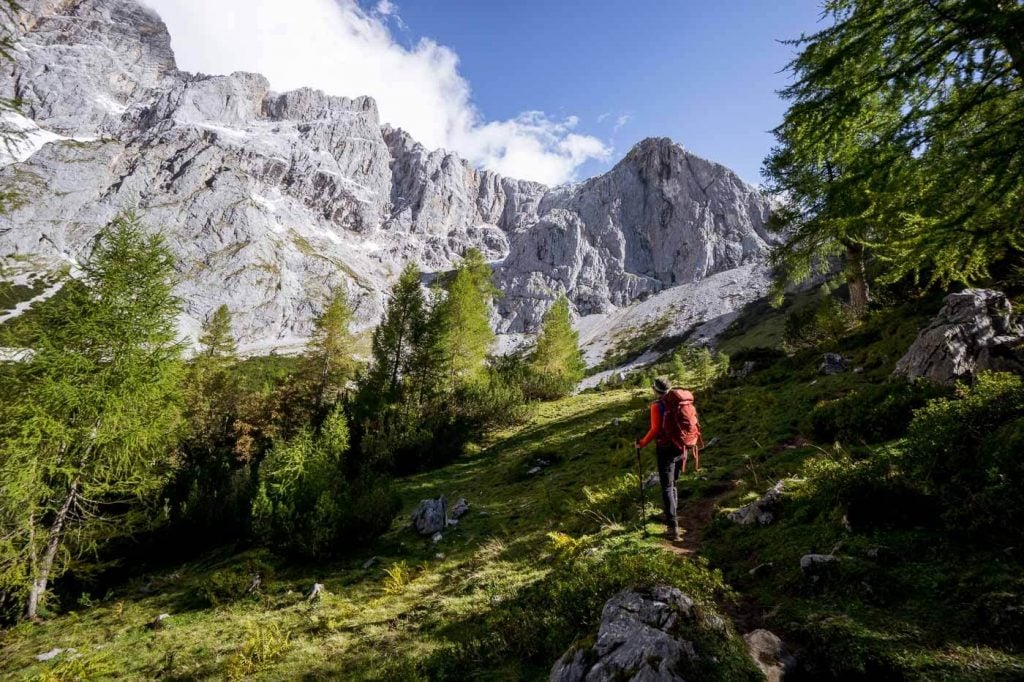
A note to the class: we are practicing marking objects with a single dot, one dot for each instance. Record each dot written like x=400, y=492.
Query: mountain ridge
x=271, y=199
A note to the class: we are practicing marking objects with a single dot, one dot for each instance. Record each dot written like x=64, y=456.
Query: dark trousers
x=670, y=461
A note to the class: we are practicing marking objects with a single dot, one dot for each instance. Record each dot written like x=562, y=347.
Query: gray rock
x=436, y=537
x=430, y=516
x=270, y=200
x=637, y=640
x=49, y=655
x=158, y=622
x=769, y=654
x=760, y=510
x=811, y=562
x=370, y=562
x=458, y=509
x=833, y=363
x=971, y=333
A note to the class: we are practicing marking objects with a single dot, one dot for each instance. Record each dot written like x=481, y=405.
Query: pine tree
x=557, y=362
x=329, y=363
x=91, y=414
x=464, y=328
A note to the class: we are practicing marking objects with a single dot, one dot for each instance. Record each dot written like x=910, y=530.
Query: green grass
x=371, y=626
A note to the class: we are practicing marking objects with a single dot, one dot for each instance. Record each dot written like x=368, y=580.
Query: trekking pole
x=643, y=496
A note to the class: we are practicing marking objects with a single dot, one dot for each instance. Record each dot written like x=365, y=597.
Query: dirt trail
x=695, y=515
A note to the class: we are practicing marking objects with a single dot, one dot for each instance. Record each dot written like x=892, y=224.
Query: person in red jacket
x=669, y=456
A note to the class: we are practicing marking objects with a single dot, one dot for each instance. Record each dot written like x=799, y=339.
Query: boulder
x=760, y=510
x=769, y=654
x=638, y=639
x=833, y=363
x=973, y=332
x=430, y=516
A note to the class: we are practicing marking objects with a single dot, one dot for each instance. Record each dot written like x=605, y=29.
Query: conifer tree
x=329, y=363
x=464, y=328
x=399, y=336
x=557, y=362
x=905, y=136
x=216, y=338
x=91, y=414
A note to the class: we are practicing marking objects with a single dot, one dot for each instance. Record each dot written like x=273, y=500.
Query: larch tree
x=905, y=136
x=400, y=335
x=92, y=412
x=329, y=363
x=216, y=338
x=464, y=327
x=557, y=361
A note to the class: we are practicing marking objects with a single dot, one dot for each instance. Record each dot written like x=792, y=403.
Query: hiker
x=675, y=426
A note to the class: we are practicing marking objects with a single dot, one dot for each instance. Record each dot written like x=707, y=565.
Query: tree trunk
x=856, y=279
x=56, y=533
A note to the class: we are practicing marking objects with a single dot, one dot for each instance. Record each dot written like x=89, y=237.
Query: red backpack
x=679, y=423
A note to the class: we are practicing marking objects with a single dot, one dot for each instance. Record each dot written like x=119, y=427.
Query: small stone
x=370, y=562
x=460, y=507
x=158, y=622
x=317, y=592
x=534, y=470
x=52, y=653
x=711, y=443
x=439, y=555
x=809, y=561
x=833, y=363
x=436, y=537
x=759, y=569
x=858, y=370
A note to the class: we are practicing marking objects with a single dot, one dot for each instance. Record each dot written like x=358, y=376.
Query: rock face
x=271, y=199
x=972, y=333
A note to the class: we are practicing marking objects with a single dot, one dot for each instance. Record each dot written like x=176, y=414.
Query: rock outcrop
x=762, y=510
x=271, y=199
x=646, y=634
x=973, y=332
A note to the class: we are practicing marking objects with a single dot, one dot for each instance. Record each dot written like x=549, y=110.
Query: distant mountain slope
x=271, y=199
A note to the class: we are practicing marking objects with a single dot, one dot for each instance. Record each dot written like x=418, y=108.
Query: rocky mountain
x=270, y=199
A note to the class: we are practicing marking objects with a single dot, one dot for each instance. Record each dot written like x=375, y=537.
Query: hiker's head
x=661, y=386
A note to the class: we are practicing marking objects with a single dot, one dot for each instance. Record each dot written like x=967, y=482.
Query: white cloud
x=338, y=47
x=621, y=121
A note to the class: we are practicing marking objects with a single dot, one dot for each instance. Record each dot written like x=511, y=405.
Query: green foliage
x=872, y=413
x=904, y=136
x=820, y=326
x=264, y=643
x=216, y=338
x=92, y=415
x=557, y=364
x=698, y=369
x=328, y=364
x=966, y=450
x=464, y=326
x=399, y=341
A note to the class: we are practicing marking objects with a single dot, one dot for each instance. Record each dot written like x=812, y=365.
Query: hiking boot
x=674, y=534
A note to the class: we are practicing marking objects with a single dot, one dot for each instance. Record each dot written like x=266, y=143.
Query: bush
x=818, y=326
x=966, y=450
x=873, y=413
x=305, y=505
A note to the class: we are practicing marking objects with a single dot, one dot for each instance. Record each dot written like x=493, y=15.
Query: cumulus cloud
x=338, y=47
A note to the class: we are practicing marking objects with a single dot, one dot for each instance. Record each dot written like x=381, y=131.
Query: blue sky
x=703, y=73
x=548, y=90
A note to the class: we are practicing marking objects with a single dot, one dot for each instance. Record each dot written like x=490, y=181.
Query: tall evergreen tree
x=329, y=363
x=90, y=416
x=399, y=336
x=464, y=327
x=905, y=135
x=557, y=362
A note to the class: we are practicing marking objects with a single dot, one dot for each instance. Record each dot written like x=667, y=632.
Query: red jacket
x=652, y=433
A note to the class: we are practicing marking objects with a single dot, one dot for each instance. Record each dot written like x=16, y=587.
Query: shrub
x=305, y=504
x=966, y=450
x=263, y=644
x=873, y=413
x=817, y=326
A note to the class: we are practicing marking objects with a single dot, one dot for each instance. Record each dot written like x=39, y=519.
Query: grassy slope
x=907, y=614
